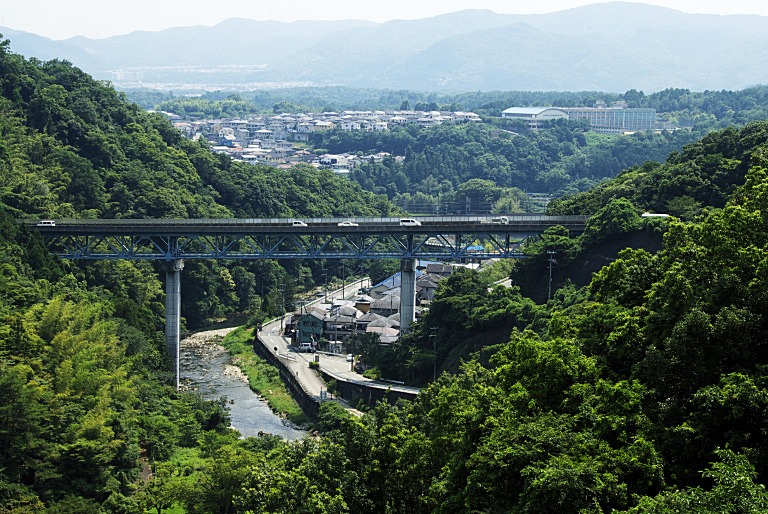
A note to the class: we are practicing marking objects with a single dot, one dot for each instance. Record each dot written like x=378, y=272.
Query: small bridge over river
x=446, y=238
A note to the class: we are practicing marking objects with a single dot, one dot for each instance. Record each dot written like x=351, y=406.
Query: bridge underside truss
x=434, y=246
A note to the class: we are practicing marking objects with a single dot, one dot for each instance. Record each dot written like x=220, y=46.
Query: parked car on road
x=306, y=347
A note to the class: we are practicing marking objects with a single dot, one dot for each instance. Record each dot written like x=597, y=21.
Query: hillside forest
x=639, y=385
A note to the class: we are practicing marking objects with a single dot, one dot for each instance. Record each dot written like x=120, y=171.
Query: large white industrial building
x=602, y=119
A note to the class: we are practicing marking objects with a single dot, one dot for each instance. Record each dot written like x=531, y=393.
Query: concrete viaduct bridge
x=448, y=238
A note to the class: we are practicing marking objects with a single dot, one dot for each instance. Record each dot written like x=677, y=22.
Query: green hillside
x=645, y=390
x=641, y=384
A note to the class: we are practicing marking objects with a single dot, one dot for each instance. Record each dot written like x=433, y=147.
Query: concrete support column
x=407, y=294
x=173, y=312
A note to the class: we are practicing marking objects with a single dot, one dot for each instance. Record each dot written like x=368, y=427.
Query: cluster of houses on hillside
x=373, y=310
x=270, y=139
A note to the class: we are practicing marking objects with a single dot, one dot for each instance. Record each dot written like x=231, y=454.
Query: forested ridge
x=643, y=390
x=639, y=389
x=482, y=168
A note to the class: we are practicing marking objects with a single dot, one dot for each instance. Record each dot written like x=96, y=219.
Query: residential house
x=350, y=125
x=185, y=128
x=398, y=121
x=235, y=124
x=323, y=126
x=363, y=303
x=439, y=268
x=309, y=327
x=379, y=290
x=386, y=306
x=385, y=328
x=263, y=134
x=361, y=323
x=426, y=287
x=334, y=160
x=339, y=323
x=461, y=117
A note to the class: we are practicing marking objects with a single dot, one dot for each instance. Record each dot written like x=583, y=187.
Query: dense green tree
x=733, y=490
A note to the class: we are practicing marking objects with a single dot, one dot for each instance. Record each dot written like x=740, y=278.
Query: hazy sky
x=59, y=19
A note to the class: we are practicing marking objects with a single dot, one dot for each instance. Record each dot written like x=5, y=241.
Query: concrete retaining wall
x=354, y=392
x=308, y=403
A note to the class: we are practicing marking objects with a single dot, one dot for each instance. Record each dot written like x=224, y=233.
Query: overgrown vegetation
x=263, y=378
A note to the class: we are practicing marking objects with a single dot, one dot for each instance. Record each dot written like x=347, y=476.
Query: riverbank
x=217, y=370
x=209, y=340
x=262, y=378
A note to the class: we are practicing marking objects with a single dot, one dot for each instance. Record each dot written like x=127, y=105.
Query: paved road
x=335, y=365
x=297, y=363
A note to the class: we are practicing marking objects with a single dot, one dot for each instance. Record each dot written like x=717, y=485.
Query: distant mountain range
x=612, y=47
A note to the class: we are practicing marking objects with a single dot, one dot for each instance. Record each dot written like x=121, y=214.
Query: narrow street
x=297, y=363
x=334, y=364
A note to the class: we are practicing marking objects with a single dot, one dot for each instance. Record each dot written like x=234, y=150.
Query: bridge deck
x=448, y=238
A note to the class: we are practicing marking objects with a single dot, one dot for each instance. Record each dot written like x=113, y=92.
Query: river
x=207, y=367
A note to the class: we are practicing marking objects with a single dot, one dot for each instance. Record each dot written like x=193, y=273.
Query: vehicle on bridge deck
x=297, y=223
x=46, y=223
x=410, y=222
x=498, y=220
x=348, y=224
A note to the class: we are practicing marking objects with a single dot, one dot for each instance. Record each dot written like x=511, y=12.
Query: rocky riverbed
x=207, y=367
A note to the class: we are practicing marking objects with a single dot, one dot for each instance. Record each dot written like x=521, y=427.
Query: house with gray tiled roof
x=439, y=268
x=381, y=321
x=363, y=321
x=426, y=287
x=263, y=134
x=378, y=290
x=386, y=306
x=386, y=335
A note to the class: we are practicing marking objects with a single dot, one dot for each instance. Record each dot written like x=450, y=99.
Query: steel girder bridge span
x=454, y=238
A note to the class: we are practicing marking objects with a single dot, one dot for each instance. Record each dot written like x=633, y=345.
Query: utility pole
x=336, y=328
x=433, y=336
x=282, y=308
x=325, y=281
x=551, y=261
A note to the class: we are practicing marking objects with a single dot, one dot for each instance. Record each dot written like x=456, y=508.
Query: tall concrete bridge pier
x=407, y=294
x=173, y=312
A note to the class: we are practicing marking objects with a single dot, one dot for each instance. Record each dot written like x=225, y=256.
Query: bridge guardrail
x=165, y=222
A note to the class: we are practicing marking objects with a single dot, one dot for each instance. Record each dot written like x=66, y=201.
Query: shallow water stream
x=207, y=367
